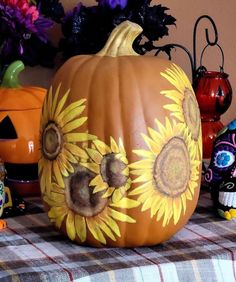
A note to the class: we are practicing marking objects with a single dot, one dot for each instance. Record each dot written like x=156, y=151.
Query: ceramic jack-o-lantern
x=221, y=173
x=20, y=110
x=121, y=146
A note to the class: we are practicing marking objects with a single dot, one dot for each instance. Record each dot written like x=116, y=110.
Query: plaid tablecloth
x=204, y=250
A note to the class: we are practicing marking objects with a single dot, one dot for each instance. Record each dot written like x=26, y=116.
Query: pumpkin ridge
x=96, y=68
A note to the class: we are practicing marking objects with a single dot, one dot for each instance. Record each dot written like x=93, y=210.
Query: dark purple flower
x=113, y=3
x=18, y=23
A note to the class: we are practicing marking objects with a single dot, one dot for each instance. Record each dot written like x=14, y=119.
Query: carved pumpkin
x=120, y=146
x=20, y=110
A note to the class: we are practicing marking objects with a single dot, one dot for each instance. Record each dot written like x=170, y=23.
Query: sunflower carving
x=168, y=172
x=58, y=141
x=110, y=165
x=185, y=107
x=84, y=211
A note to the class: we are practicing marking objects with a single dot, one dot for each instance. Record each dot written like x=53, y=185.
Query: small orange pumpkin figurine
x=20, y=110
x=121, y=146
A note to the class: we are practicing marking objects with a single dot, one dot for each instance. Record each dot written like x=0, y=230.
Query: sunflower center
x=51, y=141
x=111, y=171
x=172, y=168
x=80, y=195
x=191, y=113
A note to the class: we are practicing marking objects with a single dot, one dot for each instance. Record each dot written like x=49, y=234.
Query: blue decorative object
x=221, y=173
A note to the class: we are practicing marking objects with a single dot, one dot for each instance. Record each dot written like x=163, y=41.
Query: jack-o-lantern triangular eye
x=7, y=129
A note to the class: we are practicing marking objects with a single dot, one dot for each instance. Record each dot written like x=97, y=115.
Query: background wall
x=186, y=13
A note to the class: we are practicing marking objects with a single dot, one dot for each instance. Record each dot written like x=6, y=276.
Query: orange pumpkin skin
x=23, y=106
x=125, y=96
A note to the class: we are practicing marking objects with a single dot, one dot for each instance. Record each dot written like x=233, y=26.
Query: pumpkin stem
x=121, y=40
x=10, y=77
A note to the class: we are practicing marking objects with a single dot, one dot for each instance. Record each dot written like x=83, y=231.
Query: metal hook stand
x=193, y=58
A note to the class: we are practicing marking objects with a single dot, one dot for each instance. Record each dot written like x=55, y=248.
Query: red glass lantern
x=214, y=96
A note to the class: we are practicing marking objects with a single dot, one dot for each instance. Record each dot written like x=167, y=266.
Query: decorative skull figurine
x=221, y=173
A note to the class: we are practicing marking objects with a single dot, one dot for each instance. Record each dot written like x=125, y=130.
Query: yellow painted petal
x=146, y=177
x=125, y=203
x=102, y=147
x=174, y=95
x=106, y=230
x=144, y=153
x=95, y=230
x=120, y=216
x=155, y=205
x=121, y=147
x=117, y=195
x=70, y=126
x=94, y=155
x=72, y=111
x=125, y=171
x=147, y=204
x=55, y=212
x=75, y=150
x=108, y=192
x=143, y=164
x=70, y=225
x=153, y=146
x=161, y=210
x=62, y=168
x=114, y=146
x=178, y=115
x=138, y=171
x=177, y=209
x=183, y=200
x=61, y=104
x=142, y=188
x=78, y=137
x=173, y=108
x=80, y=227
x=59, y=219
x=91, y=166
x=97, y=181
x=100, y=188
x=156, y=136
x=58, y=175
x=55, y=98
x=111, y=223
x=56, y=199
x=145, y=196
x=48, y=100
x=69, y=157
x=122, y=158
x=66, y=163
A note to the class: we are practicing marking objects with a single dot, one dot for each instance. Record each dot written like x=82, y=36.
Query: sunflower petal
x=70, y=225
x=114, y=147
x=70, y=126
x=94, y=155
x=58, y=175
x=120, y=216
x=61, y=104
x=177, y=209
x=106, y=230
x=78, y=137
x=95, y=230
x=75, y=150
x=54, y=104
x=80, y=227
x=125, y=203
x=108, y=192
x=102, y=147
x=91, y=166
x=111, y=223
